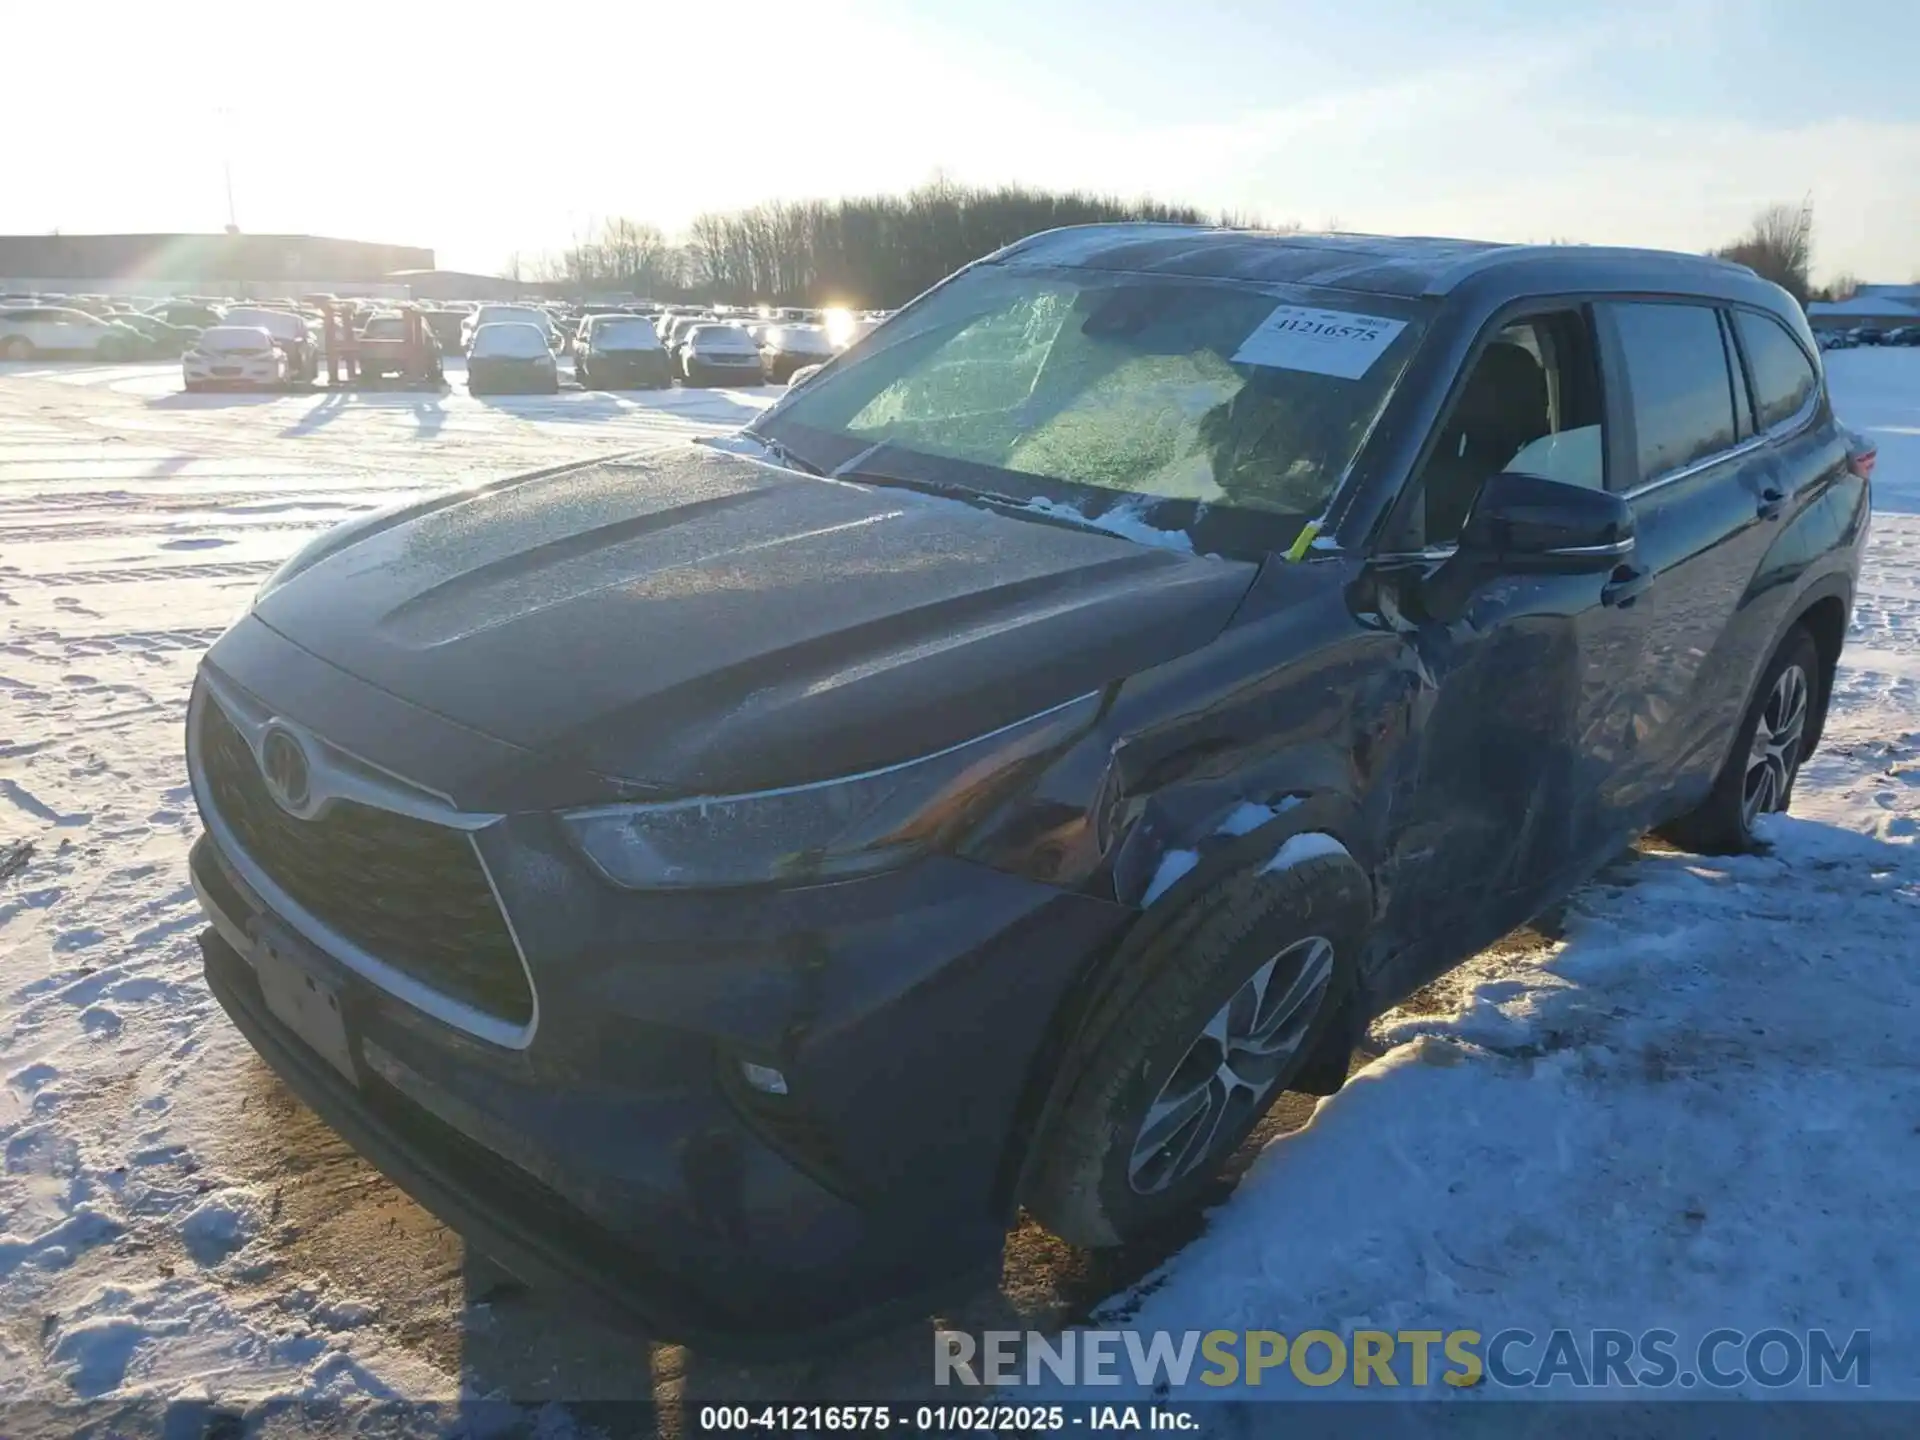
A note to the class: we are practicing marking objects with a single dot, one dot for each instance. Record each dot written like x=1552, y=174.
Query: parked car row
x=31, y=332
x=613, y=346
x=618, y=349
x=1868, y=335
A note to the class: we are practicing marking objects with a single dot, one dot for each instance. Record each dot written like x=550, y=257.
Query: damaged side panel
x=1500, y=795
x=1461, y=761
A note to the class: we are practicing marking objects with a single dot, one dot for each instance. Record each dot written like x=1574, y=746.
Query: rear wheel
x=1758, y=776
x=1200, y=1030
x=16, y=347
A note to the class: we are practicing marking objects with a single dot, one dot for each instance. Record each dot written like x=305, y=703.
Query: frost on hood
x=1126, y=521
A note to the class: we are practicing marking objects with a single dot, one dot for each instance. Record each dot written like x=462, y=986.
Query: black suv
x=730, y=881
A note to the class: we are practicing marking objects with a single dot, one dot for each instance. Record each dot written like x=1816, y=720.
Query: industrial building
x=1881, y=307
x=225, y=264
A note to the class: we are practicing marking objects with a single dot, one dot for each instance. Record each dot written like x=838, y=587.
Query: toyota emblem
x=283, y=763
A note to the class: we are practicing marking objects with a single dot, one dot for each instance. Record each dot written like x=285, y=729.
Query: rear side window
x=1679, y=384
x=1783, y=377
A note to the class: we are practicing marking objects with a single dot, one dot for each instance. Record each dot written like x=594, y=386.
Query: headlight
x=824, y=831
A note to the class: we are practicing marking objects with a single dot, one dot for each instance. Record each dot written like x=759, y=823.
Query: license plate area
x=300, y=997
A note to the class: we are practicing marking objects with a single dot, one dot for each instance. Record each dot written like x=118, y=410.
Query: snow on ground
x=1699, y=1107
x=140, y=1249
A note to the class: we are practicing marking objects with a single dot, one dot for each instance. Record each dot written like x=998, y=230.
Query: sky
x=515, y=128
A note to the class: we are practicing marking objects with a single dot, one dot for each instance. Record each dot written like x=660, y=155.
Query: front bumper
x=616, y=372
x=511, y=377
x=615, y=1155
x=700, y=372
x=232, y=375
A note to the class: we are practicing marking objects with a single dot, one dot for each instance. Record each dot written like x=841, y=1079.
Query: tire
x=1105, y=1171
x=1790, y=695
x=16, y=347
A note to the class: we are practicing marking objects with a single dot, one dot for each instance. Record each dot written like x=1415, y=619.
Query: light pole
x=226, y=164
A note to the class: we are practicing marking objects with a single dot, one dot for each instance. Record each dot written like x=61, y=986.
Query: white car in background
x=232, y=357
x=290, y=332
x=30, y=330
x=509, y=315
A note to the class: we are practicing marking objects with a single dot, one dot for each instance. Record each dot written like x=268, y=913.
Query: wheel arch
x=1824, y=613
x=1217, y=852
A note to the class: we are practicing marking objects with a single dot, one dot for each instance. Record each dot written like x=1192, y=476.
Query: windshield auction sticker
x=1321, y=342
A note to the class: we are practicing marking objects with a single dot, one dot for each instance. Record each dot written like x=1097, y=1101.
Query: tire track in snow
x=214, y=570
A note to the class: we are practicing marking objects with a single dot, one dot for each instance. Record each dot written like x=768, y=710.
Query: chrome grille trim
x=377, y=789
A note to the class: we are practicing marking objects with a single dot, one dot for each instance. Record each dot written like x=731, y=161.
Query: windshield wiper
x=783, y=454
x=1045, y=514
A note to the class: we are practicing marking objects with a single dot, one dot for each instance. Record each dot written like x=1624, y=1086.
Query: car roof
x=1410, y=266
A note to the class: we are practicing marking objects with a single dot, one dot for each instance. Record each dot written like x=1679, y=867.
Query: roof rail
x=1509, y=254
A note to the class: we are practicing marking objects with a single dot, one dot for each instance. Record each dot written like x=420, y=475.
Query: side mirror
x=1529, y=525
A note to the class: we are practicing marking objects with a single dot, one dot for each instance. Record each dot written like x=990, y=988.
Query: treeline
x=866, y=251
x=882, y=250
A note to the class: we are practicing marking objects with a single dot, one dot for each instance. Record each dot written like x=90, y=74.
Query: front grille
x=407, y=891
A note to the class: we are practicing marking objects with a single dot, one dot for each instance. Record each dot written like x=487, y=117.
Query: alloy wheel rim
x=1232, y=1065
x=1774, y=755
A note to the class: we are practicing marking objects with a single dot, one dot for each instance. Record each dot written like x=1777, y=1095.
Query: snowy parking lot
x=1691, y=1101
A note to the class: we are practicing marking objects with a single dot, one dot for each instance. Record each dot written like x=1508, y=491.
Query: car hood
x=700, y=622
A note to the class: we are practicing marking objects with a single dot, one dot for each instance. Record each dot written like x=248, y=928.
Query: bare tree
x=859, y=250
x=1778, y=246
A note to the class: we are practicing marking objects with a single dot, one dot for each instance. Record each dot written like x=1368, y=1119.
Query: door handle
x=1625, y=586
x=1773, y=500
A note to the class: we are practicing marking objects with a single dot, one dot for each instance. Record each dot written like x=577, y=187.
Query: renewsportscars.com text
x=1512, y=1358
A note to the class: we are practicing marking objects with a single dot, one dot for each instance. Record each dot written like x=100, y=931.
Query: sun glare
x=842, y=327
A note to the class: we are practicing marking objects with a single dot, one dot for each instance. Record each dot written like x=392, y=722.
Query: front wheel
x=1201, y=1028
x=1758, y=776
